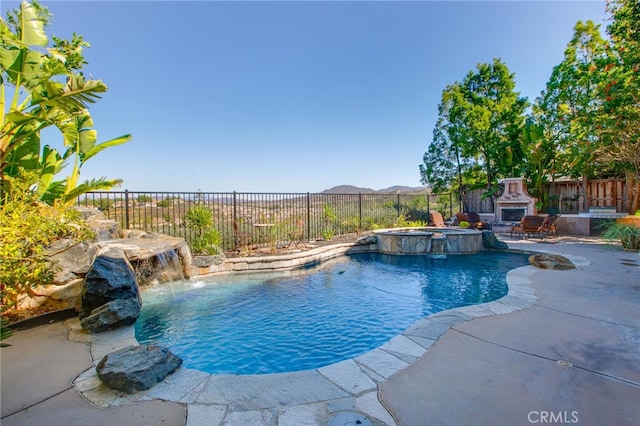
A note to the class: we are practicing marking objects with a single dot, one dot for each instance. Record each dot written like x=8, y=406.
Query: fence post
x=359, y=211
x=308, y=216
x=398, y=204
x=126, y=209
x=235, y=214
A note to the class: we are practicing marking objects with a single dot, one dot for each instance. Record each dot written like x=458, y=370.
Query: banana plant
x=48, y=90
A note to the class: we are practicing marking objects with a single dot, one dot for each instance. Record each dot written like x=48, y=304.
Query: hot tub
x=429, y=241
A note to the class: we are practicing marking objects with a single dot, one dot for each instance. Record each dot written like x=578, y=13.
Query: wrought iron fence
x=266, y=218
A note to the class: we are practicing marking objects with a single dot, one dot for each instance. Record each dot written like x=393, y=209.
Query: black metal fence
x=266, y=218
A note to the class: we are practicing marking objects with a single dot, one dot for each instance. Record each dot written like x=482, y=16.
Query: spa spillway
x=429, y=240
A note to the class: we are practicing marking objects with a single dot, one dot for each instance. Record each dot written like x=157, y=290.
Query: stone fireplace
x=514, y=203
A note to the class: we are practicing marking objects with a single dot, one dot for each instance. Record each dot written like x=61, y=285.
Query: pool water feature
x=308, y=318
x=429, y=241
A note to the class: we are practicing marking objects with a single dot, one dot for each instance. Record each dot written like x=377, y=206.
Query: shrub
x=207, y=240
x=198, y=218
x=27, y=228
x=627, y=234
x=328, y=234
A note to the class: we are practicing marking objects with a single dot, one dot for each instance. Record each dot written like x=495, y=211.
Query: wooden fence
x=568, y=197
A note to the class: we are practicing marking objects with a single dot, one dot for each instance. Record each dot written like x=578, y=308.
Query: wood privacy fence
x=284, y=216
x=569, y=197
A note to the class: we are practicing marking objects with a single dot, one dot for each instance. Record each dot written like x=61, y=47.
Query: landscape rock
x=169, y=258
x=70, y=259
x=369, y=239
x=88, y=213
x=110, y=277
x=490, y=241
x=137, y=368
x=551, y=261
x=104, y=230
x=111, y=315
x=205, y=261
x=54, y=297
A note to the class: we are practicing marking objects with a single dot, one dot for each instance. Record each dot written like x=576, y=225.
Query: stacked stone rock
x=110, y=295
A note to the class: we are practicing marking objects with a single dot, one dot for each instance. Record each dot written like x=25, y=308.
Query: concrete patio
x=561, y=347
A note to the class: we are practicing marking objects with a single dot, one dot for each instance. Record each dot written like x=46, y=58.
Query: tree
x=479, y=126
x=565, y=109
x=47, y=89
x=540, y=163
x=617, y=123
x=590, y=109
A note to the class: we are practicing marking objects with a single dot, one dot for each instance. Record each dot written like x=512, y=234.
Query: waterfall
x=169, y=266
x=161, y=267
x=438, y=245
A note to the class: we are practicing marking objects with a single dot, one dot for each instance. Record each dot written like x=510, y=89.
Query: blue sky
x=294, y=96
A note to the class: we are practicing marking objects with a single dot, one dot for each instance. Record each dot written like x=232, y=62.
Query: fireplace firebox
x=512, y=215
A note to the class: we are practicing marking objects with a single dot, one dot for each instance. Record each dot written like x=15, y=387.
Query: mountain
x=351, y=189
x=348, y=189
x=401, y=189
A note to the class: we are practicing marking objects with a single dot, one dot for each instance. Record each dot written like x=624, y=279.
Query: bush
x=627, y=234
x=207, y=239
x=27, y=228
x=209, y=242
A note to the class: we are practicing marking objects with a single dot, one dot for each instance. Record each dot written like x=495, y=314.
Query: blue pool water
x=305, y=319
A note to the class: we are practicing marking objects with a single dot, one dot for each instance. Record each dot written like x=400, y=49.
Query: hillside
x=351, y=189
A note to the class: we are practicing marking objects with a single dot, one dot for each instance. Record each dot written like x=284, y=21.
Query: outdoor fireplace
x=514, y=203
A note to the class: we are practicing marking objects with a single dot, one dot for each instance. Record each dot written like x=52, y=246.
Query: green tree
x=47, y=89
x=565, y=109
x=540, y=164
x=478, y=129
x=617, y=123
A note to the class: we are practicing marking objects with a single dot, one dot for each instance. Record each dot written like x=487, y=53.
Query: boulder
x=137, y=368
x=205, y=261
x=88, y=213
x=111, y=315
x=110, y=277
x=369, y=239
x=490, y=241
x=551, y=261
x=70, y=260
x=54, y=297
x=104, y=230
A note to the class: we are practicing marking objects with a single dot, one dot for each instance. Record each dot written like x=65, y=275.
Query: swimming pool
x=305, y=319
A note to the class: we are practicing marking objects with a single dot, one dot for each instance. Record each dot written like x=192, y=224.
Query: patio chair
x=473, y=219
x=437, y=220
x=296, y=235
x=529, y=225
x=241, y=239
x=548, y=227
